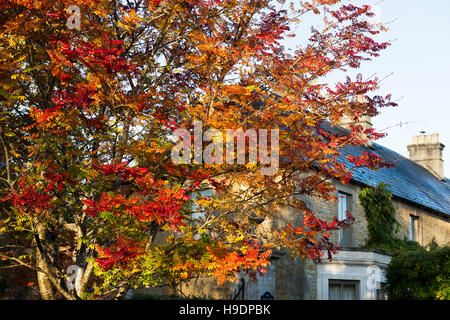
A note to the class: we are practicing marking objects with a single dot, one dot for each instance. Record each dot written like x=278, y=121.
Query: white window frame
x=413, y=228
x=344, y=206
x=341, y=282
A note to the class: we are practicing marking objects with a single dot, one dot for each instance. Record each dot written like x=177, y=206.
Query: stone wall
x=207, y=288
x=430, y=225
x=327, y=210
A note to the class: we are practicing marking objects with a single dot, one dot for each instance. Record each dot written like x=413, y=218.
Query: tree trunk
x=45, y=287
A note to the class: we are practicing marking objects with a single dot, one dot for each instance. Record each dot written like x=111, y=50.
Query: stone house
x=422, y=202
x=421, y=197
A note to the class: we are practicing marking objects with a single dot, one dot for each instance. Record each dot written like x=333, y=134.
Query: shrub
x=419, y=275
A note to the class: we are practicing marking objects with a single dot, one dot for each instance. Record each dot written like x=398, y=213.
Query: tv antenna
x=403, y=123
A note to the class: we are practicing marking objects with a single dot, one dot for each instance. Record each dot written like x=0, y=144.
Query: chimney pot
x=435, y=138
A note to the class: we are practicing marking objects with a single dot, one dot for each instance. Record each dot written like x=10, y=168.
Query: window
x=343, y=290
x=413, y=227
x=381, y=292
x=344, y=206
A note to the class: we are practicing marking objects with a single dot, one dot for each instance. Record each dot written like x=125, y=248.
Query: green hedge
x=419, y=275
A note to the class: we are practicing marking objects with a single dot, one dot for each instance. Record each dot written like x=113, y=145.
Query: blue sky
x=419, y=60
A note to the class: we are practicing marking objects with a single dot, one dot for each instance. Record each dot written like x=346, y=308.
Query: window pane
x=333, y=292
x=349, y=292
x=413, y=228
x=342, y=206
x=381, y=294
x=345, y=237
x=342, y=290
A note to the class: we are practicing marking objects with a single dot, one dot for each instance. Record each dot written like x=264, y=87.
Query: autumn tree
x=91, y=102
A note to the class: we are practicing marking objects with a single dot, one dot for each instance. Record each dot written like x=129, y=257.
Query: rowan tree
x=89, y=113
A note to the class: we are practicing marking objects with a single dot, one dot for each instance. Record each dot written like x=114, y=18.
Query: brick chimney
x=364, y=120
x=427, y=151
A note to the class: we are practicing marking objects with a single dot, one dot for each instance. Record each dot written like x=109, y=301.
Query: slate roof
x=408, y=180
